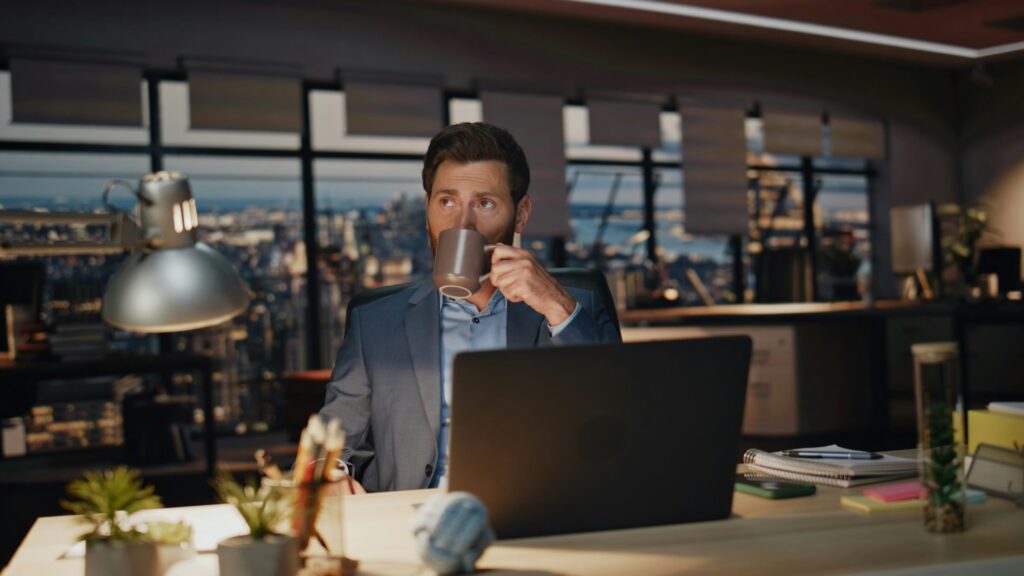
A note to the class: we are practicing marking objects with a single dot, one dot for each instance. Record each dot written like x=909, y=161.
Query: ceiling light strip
x=801, y=27
x=997, y=50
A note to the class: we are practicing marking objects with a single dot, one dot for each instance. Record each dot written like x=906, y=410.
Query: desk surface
x=981, y=310
x=809, y=535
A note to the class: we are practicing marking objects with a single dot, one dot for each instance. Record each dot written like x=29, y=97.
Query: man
x=392, y=379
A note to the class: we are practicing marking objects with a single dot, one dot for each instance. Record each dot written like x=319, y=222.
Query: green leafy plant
x=961, y=250
x=105, y=499
x=169, y=533
x=944, y=465
x=945, y=512
x=263, y=508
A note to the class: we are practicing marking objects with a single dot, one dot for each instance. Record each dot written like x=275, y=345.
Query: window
x=79, y=413
x=69, y=182
x=691, y=262
x=671, y=138
x=842, y=218
x=606, y=214
x=465, y=110
x=250, y=210
x=371, y=223
x=372, y=227
x=606, y=217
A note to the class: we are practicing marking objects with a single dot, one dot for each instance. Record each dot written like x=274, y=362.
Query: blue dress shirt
x=464, y=328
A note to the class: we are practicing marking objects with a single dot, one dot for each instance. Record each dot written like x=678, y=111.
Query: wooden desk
x=810, y=535
x=847, y=367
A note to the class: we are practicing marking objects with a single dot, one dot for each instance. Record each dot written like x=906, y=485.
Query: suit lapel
x=525, y=327
x=423, y=332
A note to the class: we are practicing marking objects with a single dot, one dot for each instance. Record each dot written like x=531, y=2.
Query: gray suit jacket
x=386, y=384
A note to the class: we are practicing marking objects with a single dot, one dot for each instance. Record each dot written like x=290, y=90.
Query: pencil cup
x=317, y=518
x=940, y=455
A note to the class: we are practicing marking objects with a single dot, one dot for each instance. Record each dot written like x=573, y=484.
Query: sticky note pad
x=868, y=504
x=975, y=496
x=895, y=492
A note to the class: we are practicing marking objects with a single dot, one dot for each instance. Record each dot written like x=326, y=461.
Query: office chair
x=582, y=278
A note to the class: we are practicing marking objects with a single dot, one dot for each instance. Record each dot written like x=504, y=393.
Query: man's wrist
x=561, y=309
x=557, y=329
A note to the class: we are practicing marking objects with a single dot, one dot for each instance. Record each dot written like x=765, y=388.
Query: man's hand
x=521, y=278
x=354, y=487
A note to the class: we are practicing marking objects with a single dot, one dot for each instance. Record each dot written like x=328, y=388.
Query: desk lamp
x=170, y=282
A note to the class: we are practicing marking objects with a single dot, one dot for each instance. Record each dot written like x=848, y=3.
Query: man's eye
x=487, y=203
x=447, y=202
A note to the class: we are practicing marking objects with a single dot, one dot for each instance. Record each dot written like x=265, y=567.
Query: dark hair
x=475, y=142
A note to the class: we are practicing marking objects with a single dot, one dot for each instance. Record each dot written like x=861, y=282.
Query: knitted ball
x=452, y=531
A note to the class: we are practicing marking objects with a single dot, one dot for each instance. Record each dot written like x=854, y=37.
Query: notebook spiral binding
x=790, y=468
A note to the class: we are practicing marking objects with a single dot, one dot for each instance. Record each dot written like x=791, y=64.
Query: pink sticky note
x=895, y=492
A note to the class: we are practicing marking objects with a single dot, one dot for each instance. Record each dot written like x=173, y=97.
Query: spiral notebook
x=829, y=471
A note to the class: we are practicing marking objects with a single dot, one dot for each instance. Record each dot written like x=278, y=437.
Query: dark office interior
x=876, y=201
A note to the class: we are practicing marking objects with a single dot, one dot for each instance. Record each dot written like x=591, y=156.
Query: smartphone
x=771, y=488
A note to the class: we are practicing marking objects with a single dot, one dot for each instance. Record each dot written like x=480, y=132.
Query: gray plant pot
x=168, y=555
x=273, y=556
x=120, y=559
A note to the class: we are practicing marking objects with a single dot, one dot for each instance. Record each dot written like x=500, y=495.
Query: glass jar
x=317, y=514
x=939, y=415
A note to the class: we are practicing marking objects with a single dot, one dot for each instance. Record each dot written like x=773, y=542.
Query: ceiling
x=975, y=24
x=950, y=31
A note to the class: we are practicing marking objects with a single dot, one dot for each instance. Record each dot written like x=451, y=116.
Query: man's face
x=475, y=196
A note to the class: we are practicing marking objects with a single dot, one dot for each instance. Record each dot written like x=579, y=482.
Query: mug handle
x=488, y=249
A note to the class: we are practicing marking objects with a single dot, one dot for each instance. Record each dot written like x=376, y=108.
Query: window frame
x=649, y=161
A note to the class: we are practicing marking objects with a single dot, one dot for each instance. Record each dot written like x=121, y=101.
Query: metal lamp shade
x=174, y=290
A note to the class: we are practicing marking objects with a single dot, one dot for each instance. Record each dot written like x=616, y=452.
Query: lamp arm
x=124, y=234
x=114, y=184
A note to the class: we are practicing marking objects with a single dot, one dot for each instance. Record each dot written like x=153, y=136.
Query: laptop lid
x=579, y=438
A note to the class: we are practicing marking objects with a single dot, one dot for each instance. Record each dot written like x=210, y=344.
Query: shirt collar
x=495, y=305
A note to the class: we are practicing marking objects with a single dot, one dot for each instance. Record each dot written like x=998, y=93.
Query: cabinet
x=19, y=384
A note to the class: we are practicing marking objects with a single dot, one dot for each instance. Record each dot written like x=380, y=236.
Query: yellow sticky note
x=869, y=504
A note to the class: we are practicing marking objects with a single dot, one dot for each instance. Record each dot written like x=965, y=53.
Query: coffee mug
x=462, y=262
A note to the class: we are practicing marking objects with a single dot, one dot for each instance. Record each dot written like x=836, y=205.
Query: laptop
x=599, y=437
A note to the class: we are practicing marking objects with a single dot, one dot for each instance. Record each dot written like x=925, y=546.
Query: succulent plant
x=263, y=508
x=105, y=499
x=169, y=533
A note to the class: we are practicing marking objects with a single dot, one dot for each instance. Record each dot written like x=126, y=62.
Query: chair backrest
x=583, y=278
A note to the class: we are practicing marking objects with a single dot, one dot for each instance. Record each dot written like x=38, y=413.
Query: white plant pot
x=120, y=559
x=168, y=555
x=273, y=556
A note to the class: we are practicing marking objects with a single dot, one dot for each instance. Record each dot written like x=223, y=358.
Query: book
x=1013, y=408
x=1002, y=429
x=830, y=471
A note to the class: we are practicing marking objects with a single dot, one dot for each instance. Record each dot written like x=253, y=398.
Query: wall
x=467, y=45
x=992, y=137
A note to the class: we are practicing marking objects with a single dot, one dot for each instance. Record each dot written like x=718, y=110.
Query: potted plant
x=173, y=543
x=961, y=251
x=105, y=500
x=264, y=551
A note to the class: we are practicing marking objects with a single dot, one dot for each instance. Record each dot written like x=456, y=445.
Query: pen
x=837, y=455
